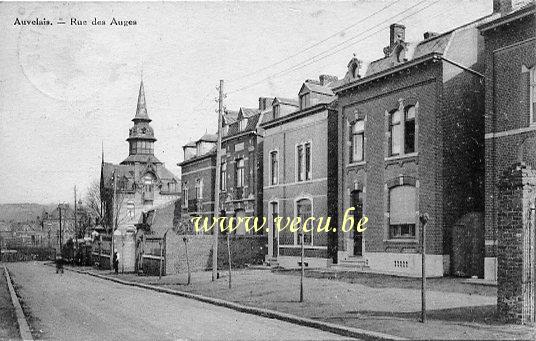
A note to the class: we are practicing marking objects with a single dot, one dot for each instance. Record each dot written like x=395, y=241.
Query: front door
x=357, y=203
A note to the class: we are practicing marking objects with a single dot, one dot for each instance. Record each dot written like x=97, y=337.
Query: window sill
x=401, y=240
x=403, y=157
x=357, y=164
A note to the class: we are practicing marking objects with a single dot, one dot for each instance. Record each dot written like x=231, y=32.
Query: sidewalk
x=378, y=303
x=8, y=318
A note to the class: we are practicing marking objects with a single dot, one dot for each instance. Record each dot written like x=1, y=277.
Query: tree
x=93, y=201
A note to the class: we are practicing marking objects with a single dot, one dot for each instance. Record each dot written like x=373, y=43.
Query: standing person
x=116, y=262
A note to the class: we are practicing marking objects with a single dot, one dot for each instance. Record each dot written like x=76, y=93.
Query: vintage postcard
x=278, y=170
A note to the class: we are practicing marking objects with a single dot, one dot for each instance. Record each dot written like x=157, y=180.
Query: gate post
x=515, y=272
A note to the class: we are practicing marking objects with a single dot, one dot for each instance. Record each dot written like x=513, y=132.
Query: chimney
x=265, y=103
x=502, y=6
x=325, y=79
x=397, y=32
x=428, y=35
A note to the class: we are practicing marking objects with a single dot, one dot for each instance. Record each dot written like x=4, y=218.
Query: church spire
x=141, y=109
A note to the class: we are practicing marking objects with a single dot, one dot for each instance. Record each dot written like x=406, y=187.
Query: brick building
x=241, y=163
x=138, y=183
x=299, y=158
x=410, y=142
x=198, y=171
x=510, y=120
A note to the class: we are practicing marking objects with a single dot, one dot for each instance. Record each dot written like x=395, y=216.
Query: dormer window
x=304, y=100
x=243, y=124
x=275, y=109
x=225, y=130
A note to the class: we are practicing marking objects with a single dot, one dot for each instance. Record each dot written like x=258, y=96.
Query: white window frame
x=354, y=134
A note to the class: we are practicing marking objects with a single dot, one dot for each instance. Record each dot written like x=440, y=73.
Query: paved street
x=74, y=306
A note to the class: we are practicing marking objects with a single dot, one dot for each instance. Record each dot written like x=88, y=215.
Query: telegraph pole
x=113, y=221
x=215, y=232
x=424, y=220
x=61, y=232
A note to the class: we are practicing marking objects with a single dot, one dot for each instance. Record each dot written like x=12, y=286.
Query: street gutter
x=24, y=328
x=302, y=321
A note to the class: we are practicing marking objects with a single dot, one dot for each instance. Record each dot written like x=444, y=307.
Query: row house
x=300, y=161
x=510, y=120
x=410, y=142
x=134, y=186
x=241, y=163
x=198, y=172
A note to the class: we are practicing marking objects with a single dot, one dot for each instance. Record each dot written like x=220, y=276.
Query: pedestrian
x=116, y=262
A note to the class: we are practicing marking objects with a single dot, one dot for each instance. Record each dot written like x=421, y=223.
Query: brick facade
x=443, y=171
x=516, y=244
x=313, y=126
x=510, y=135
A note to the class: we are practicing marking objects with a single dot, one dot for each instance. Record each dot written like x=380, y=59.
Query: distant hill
x=22, y=212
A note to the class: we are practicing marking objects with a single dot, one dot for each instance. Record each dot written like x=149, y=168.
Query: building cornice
x=434, y=56
x=511, y=17
x=296, y=115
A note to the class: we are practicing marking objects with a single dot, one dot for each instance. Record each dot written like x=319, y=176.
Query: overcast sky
x=64, y=88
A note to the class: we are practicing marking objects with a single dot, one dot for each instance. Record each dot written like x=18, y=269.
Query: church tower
x=141, y=136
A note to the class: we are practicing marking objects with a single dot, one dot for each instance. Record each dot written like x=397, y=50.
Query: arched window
x=402, y=208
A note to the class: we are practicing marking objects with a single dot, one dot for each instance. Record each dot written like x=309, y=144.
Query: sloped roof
x=288, y=101
x=144, y=158
x=318, y=88
x=247, y=112
x=209, y=138
x=190, y=144
x=141, y=108
x=230, y=117
x=234, y=128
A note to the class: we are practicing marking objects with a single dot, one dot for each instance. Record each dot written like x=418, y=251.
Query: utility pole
x=302, y=265
x=61, y=236
x=75, y=220
x=424, y=219
x=215, y=232
x=113, y=221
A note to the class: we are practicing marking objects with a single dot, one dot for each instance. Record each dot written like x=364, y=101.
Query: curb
x=302, y=321
x=24, y=328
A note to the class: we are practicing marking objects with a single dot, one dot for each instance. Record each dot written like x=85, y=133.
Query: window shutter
x=402, y=205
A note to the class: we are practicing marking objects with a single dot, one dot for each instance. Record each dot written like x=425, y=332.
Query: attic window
x=275, y=109
x=304, y=100
x=225, y=130
x=243, y=124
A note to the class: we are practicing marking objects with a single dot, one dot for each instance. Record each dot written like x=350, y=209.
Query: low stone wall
x=244, y=250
